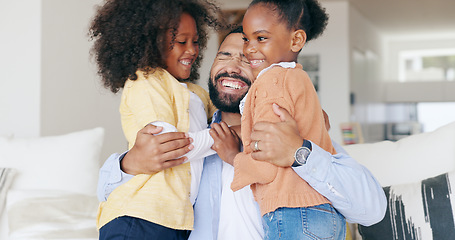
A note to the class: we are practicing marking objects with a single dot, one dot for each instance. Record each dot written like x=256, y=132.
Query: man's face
x=230, y=75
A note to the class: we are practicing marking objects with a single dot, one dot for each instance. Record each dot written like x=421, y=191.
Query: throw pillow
x=6, y=177
x=420, y=210
x=67, y=162
x=421, y=156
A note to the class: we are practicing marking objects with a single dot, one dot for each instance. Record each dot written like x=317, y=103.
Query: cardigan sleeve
x=143, y=103
x=266, y=91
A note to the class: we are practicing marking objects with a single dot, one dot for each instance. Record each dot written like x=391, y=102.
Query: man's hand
x=277, y=141
x=153, y=153
x=227, y=142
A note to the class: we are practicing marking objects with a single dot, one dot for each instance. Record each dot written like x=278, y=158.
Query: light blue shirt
x=349, y=186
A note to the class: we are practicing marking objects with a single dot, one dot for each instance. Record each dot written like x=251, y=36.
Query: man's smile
x=233, y=84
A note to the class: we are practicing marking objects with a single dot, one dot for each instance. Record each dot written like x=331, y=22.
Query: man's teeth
x=232, y=85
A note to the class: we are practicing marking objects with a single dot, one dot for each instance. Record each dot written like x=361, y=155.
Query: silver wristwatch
x=301, y=154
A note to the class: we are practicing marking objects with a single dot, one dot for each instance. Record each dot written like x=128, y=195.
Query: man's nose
x=233, y=66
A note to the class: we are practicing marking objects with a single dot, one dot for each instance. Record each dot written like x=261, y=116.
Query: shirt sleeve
x=202, y=141
x=111, y=176
x=348, y=185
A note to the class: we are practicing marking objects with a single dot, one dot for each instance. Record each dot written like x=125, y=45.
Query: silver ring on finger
x=256, y=147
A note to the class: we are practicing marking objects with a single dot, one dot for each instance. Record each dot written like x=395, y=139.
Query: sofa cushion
x=68, y=162
x=6, y=177
x=420, y=210
x=410, y=159
x=49, y=214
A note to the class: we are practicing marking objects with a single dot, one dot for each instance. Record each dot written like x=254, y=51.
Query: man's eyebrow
x=224, y=53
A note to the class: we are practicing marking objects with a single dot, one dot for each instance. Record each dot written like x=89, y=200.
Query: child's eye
x=260, y=39
x=183, y=43
x=245, y=39
x=196, y=42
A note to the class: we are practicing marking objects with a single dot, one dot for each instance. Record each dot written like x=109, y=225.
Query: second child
x=274, y=32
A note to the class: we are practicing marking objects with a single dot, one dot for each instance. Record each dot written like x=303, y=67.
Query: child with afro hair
x=151, y=50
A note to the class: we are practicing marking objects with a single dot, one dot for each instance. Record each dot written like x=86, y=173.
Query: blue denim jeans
x=131, y=228
x=317, y=222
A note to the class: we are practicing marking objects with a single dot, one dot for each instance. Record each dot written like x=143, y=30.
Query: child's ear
x=298, y=40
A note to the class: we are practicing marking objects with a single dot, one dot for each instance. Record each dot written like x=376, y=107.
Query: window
x=427, y=65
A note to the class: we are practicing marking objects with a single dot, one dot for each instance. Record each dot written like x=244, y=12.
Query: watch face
x=301, y=155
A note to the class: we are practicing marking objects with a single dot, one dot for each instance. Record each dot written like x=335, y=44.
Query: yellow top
x=161, y=198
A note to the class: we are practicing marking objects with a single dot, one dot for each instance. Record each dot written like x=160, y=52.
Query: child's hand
x=227, y=142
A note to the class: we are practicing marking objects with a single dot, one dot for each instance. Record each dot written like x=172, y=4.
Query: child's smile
x=267, y=39
x=185, y=50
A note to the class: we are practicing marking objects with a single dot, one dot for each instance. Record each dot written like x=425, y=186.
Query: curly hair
x=130, y=35
x=299, y=14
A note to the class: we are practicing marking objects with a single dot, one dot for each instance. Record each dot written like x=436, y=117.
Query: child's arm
x=201, y=141
x=227, y=142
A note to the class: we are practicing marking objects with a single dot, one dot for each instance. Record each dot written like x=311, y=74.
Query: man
x=221, y=213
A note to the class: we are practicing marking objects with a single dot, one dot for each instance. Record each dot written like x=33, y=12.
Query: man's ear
x=298, y=40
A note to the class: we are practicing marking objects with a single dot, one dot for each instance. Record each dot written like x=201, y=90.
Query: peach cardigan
x=274, y=187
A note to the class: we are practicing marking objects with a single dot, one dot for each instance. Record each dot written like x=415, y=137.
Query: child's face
x=181, y=57
x=267, y=40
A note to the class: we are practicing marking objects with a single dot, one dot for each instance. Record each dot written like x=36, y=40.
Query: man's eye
x=245, y=39
x=261, y=39
x=183, y=43
x=223, y=58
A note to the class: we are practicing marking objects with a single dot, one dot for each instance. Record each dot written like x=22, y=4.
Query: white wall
x=333, y=50
x=366, y=46
x=49, y=85
x=72, y=95
x=20, y=48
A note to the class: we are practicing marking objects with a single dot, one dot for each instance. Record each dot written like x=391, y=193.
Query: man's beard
x=226, y=102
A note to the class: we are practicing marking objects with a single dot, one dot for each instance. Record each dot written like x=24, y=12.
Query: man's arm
x=150, y=154
x=351, y=188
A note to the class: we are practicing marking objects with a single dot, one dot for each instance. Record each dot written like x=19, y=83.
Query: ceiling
x=399, y=17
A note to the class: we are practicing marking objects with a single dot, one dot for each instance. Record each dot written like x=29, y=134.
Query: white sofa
x=48, y=186
x=418, y=176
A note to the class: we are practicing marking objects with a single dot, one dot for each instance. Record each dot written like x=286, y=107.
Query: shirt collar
x=281, y=64
x=216, y=117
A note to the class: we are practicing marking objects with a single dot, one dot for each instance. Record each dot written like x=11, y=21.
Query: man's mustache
x=234, y=76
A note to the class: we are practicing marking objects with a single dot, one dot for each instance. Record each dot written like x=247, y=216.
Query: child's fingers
x=281, y=112
x=225, y=127
x=219, y=130
x=213, y=133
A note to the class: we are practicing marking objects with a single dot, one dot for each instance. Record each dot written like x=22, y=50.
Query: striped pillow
x=6, y=177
